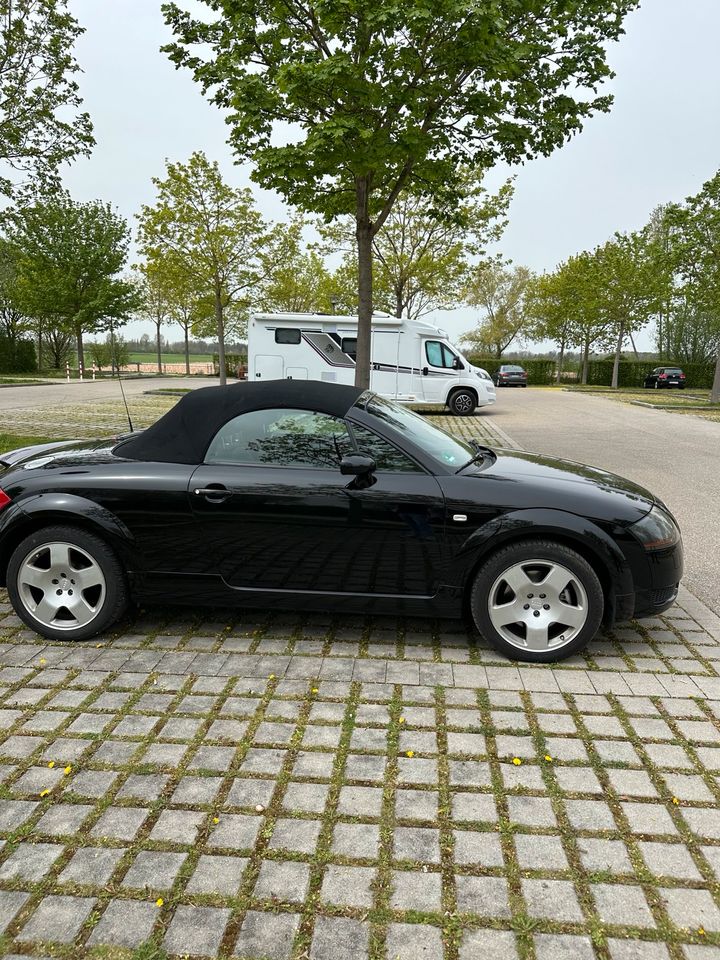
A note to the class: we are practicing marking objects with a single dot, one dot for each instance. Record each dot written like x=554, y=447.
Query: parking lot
x=210, y=783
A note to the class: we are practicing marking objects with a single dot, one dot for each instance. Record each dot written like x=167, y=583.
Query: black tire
x=462, y=403
x=116, y=596
x=539, y=549
x=523, y=384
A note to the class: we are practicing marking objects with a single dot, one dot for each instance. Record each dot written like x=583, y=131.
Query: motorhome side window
x=349, y=346
x=438, y=355
x=287, y=335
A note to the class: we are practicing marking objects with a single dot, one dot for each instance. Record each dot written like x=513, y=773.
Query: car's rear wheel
x=538, y=601
x=462, y=403
x=66, y=584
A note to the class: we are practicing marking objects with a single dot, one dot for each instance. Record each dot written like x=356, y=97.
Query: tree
x=14, y=322
x=551, y=310
x=384, y=97
x=501, y=293
x=155, y=299
x=212, y=232
x=696, y=252
x=40, y=126
x=627, y=287
x=422, y=255
x=296, y=279
x=71, y=256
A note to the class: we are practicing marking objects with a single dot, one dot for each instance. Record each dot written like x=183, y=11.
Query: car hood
x=563, y=484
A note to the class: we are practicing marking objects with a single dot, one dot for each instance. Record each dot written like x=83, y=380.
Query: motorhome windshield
x=438, y=444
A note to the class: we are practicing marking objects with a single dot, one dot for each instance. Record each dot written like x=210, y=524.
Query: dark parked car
x=665, y=377
x=511, y=375
x=294, y=494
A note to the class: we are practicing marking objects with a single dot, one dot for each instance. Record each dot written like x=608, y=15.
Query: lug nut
x=70, y=592
x=526, y=606
x=530, y=596
x=55, y=581
x=537, y=613
x=546, y=606
x=542, y=596
x=58, y=592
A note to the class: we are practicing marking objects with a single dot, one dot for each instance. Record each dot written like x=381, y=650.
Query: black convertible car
x=313, y=495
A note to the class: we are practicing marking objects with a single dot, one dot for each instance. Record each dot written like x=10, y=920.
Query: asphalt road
x=62, y=392
x=676, y=456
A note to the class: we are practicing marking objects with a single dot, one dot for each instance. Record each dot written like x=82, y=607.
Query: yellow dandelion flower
x=44, y=793
x=410, y=753
x=676, y=801
x=548, y=757
x=216, y=820
x=67, y=770
x=271, y=677
x=701, y=931
x=402, y=720
x=517, y=761
x=315, y=690
x=42, y=661
x=51, y=764
x=159, y=902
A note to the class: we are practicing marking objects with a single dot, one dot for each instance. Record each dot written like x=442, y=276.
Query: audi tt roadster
x=316, y=496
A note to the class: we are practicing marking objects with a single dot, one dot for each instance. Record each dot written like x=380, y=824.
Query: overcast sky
x=660, y=142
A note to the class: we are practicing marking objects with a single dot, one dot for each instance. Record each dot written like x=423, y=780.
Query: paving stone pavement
x=218, y=784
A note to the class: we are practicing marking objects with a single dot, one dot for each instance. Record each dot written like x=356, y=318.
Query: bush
x=540, y=371
x=18, y=357
x=232, y=362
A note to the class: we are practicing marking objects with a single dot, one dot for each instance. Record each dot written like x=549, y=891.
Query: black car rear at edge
x=316, y=496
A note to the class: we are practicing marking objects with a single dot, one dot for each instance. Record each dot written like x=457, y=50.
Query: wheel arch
x=455, y=389
x=580, y=535
x=67, y=510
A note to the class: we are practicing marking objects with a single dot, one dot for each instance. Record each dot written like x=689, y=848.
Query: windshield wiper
x=482, y=453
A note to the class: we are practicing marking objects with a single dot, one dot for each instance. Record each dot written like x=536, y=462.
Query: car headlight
x=656, y=530
x=483, y=374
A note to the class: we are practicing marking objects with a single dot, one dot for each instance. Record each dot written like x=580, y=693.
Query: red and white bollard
x=67, y=370
x=93, y=368
x=81, y=371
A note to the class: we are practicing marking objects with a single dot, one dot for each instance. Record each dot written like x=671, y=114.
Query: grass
x=18, y=381
x=11, y=441
x=137, y=357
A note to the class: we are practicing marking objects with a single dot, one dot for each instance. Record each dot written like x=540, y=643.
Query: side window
x=387, y=457
x=281, y=438
x=438, y=354
x=349, y=346
x=287, y=335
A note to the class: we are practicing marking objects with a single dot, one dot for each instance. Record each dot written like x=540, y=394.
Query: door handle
x=215, y=493
x=425, y=371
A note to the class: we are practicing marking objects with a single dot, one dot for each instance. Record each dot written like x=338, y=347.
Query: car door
x=275, y=513
x=437, y=370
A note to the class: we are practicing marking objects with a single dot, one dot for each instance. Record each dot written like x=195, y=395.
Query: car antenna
x=122, y=389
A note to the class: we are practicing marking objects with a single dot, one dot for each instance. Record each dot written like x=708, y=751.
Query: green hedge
x=232, y=362
x=632, y=373
x=539, y=370
x=17, y=358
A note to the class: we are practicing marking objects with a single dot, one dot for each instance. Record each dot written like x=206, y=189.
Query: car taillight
x=4, y=500
x=682, y=376
x=662, y=376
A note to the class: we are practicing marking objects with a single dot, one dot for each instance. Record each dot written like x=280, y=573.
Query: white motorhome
x=411, y=361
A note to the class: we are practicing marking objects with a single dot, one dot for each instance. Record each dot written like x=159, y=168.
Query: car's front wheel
x=462, y=403
x=66, y=584
x=538, y=601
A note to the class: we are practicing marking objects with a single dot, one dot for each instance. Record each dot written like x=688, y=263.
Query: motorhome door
x=268, y=367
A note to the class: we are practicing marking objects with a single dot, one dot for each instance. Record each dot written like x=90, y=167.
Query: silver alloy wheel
x=463, y=402
x=538, y=605
x=61, y=586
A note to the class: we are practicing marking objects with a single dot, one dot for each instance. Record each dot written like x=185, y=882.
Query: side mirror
x=457, y=364
x=356, y=465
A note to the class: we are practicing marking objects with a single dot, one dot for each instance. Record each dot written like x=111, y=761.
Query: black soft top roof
x=184, y=433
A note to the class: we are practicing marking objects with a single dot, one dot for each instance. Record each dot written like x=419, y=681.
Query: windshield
x=439, y=445
x=512, y=367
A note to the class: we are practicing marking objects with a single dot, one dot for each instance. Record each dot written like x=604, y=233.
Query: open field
x=138, y=357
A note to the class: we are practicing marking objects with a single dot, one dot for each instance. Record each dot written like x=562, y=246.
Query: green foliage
x=388, y=97
x=501, y=293
x=233, y=362
x=17, y=356
x=70, y=258
x=541, y=372
x=203, y=229
x=296, y=280
x=632, y=373
x=40, y=127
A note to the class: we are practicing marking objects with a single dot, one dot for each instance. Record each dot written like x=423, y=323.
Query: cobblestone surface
x=206, y=783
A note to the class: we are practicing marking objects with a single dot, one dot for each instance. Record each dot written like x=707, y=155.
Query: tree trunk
x=187, y=349
x=80, y=350
x=220, y=335
x=158, y=340
x=586, y=360
x=363, y=234
x=561, y=358
x=715, y=392
x=618, y=351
